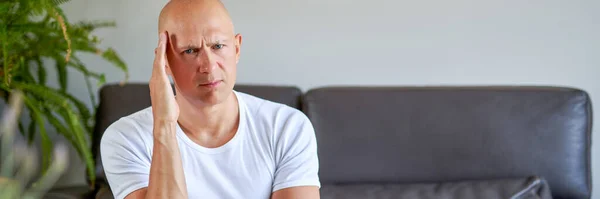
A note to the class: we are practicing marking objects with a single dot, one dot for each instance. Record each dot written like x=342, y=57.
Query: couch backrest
x=432, y=134
x=117, y=101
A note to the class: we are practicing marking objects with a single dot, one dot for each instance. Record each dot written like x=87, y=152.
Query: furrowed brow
x=188, y=46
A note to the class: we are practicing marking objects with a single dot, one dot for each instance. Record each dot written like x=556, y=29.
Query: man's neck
x=209, y=126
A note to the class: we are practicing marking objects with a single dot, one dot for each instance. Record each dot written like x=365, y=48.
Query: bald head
x=202, y=49
x=177, y=13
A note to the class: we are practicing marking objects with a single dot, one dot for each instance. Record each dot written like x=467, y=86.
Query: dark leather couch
x=424, y=142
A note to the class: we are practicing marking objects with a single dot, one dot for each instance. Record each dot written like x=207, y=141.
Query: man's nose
x=207, y=61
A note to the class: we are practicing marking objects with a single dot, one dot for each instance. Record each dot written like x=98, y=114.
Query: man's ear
x=238, y=46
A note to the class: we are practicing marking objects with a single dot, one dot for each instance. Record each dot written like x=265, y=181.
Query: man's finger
x=159, y=58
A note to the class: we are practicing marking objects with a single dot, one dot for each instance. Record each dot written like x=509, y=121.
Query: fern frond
x=81, y=142
x=21, y=128
x=36, y=8
x=57, y=124
x=101, y=80
x=76, y=64
x=83, y=110
x=63, y=107
x=26, y=73
x=111, y=56
x=31, y=129
x=93, y=25
x=49, y=95
x=6, y=7
x=41, y=71
x=58, y=2
x=61, y=73
x=31, y=30
x=39, y=120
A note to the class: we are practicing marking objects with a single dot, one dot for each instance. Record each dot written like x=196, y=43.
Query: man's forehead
x=198, y=23
x=182, y=40
x=195, y=30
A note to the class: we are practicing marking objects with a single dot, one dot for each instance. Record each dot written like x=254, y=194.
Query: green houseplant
x=35, y=36
x=19, y=161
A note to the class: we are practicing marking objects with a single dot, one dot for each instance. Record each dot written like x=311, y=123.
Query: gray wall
x=311, y=43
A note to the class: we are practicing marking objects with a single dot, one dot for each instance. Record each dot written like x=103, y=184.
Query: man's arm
x=166, y=171
x=303, y=192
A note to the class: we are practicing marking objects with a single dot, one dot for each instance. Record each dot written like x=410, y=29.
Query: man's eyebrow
x=194, y=46
x=188, y=46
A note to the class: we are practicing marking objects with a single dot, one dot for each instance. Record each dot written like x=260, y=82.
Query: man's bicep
x=137, y=194
x=304, y=192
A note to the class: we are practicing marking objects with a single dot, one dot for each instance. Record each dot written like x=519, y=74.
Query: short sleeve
x=297, y=163
x=124, y=158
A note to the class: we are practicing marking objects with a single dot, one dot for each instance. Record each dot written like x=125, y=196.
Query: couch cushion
x=117, y=101
x=435, y=134
x=518, y=188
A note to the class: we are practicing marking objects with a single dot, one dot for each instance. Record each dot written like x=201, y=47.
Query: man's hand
x=164, y=106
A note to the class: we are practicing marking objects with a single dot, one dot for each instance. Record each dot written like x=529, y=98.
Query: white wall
x=311, y=43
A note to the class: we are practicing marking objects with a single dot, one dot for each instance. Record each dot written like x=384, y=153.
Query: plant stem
x=5, y=66
x=90, y=90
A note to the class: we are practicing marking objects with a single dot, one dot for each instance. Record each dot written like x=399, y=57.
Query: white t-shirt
x=274, y=148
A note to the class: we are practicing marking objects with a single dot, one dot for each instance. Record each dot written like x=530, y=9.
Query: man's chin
x=212, y=96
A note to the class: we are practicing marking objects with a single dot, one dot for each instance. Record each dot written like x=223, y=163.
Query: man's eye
x=189, y=51
x=218, y=46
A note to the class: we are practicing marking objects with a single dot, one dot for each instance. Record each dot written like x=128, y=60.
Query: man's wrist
x=164, y=128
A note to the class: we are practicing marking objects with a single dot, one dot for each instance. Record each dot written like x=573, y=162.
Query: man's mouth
x=211, y=84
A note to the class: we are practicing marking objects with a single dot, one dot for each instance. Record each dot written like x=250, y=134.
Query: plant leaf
x=78, y=65
x=62, y=129
x=49, y=95
x=31, y=129
x=58, y=125
x=6, y=7
x=61, y=69
x=91, y=26
x=21, y=128
x=41, y=71
x=82, y=109
x=71, y=118
x=78, y=136
x=46, y=142
x=58, y=2
x=26, y=73
x=101, y=80
x=31, y=30
x=111, y=56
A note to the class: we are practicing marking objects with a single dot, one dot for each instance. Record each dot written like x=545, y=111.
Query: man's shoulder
x=260, y=108
x=132, y=126
x=276, y=120
x=139, y=118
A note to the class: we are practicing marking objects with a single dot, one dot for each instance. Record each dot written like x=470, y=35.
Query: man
x=209, y=141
